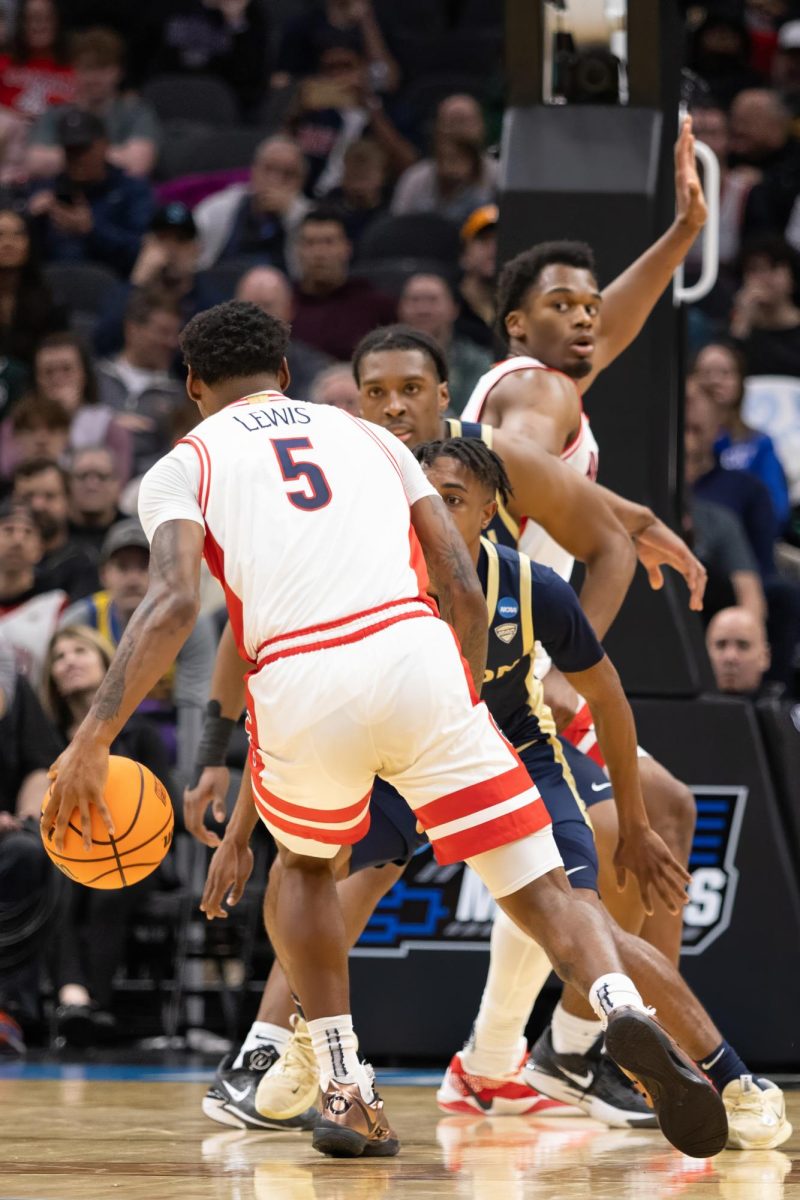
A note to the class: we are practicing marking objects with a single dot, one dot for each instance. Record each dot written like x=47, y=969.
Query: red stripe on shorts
x=330, y=837
x=300, y=812
x=478, y=839
x=580, y=727
x=475, y=798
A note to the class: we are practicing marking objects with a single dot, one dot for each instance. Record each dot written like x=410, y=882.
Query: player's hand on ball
x=644, y=853
x=228, y=872
x=211, y=788
x=79, y=778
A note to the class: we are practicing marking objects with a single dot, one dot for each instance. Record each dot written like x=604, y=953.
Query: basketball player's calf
x=672, y=811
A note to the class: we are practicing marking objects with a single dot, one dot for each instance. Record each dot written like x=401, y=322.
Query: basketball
x=143, y=820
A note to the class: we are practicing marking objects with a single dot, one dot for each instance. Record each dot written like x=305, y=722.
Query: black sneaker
x=231, y=1098
x=690, y=1111
x=591, y=1081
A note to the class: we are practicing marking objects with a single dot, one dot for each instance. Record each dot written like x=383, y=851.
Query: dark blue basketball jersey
x=504, y=529
x=526, y=601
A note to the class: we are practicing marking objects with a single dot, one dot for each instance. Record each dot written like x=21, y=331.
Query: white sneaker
x=756, y=1114
x=289, y=1091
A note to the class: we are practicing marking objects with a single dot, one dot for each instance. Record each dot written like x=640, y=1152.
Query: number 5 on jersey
x=316, y=493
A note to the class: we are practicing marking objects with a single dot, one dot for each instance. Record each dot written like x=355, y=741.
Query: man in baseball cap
x=478, y=266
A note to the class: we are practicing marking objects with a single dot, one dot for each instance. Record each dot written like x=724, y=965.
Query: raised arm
x=629, y=300
x=148, y=647
x=575, y=514
x=461, y=599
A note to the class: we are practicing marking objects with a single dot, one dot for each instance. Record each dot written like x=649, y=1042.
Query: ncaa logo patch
x=712, y=863
x=506, y=632
x=507, y=608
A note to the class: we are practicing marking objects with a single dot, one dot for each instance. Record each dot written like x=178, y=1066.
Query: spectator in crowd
x=27, y=310
x=478, y=274
x=36, y=72
x=37, y=428
x=137, y=383
x=29, y=885
x=766, y=320
x=720, y=54
x=458, y=118
x=738, y=491
x=739, y=651
x=257, y=220
x=64, y=374
x=94, y=211
x=91, y=936
x=226, y=38
x=427, y=303
x=270, y=290
x=362, y=194
x=760, y=136
x=719, y=372
x=337, y=387
x=98, y=57
x=331, y=310
x=453, y=183
x=334, y=108
x=14, y=384
x=64, y=565
x=721, y=545
x=786, y=66
x=167, y=262
x=28, y=616
x=710, y=124
x=94, y=492
x=307, y=34
x=177, y=702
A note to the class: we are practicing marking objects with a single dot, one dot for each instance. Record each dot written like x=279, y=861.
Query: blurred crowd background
x=335, y=163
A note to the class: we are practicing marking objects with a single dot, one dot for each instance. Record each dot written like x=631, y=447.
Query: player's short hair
x=324, y=213
x=481, y=461
x=234, y=340
x=521, y=273
x=400, y=337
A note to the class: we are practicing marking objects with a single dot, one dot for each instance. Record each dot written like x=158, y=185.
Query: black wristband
x=215, y=738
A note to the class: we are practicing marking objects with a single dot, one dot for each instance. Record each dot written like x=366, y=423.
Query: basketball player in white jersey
x=353, y=674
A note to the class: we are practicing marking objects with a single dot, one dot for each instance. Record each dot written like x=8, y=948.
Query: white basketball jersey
x=28, y=628
x=306, y=512
x=581, y=454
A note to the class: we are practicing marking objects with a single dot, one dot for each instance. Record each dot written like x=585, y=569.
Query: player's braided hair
x=520, y=273
x=476, y=456
x=400, y=337
x=235, y=340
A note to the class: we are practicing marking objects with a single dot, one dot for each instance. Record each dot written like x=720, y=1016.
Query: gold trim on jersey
x=492, y=578
x=526, y=603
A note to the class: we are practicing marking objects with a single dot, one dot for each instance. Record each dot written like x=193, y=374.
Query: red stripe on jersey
x=215, y=561
x=188, y=442
x=500, y=832
x=420, y=567
x=344, y=640
x=475, y=798
x=364, y=427
x=339, y=621
x=201, y=450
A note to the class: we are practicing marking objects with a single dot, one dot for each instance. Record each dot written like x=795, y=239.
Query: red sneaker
x=460, y=1092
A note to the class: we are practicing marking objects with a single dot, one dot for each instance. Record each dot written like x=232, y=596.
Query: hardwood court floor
x=149, y=1141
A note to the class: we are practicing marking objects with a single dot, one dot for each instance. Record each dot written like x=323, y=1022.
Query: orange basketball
x=143, y=824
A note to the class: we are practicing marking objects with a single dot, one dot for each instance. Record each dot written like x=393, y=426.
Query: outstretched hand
x=690, y=203
x=657, y=546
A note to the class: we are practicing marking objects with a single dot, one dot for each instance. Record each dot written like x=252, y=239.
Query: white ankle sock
x=573, y=1035
x=263, y=1033
x=336, y=1049
x=614, y=991
x=518, y=970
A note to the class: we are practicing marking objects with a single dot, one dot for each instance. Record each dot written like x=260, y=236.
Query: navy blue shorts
x=591, y=781
x=393, y=837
